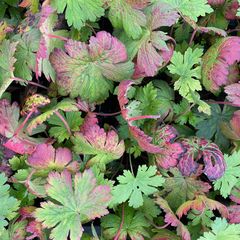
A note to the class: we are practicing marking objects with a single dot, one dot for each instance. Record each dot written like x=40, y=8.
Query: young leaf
x=132, y=188
x=93, y=140
x=187, y=76
x=128, y=15
x=222, y=230
x=9, y=205
x=79, y=11
x=88, y=70
x=58, y=129
x=231, y=175
x=218, y=68
x=7, y=60
x=134, y=225
x=72, y=206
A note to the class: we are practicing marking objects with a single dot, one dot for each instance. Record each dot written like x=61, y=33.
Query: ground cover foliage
x=119, y=119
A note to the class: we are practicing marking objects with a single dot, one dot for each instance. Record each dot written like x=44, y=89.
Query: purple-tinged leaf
x=171, y=151
x=234, y=214
x=45, y=157
x=231, y=10
x=154, y=49
x=233, y=93
x=196, y=149
x=87, y=70
x=216, y=2
x=202, y=203
x=73, y=205
x=93, y=140
x=218, y=62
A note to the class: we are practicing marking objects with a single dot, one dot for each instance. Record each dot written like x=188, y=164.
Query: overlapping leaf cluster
x=125, y=111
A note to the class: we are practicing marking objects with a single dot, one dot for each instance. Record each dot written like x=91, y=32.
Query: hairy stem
x=57, y=37
x=107, y=114
x=223, y=103
x=144, y=117
x=64, y=122
x=192, y=37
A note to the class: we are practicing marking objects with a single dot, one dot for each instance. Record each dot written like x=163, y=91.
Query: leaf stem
x=29, y=82
x=121, y=225
x=223, y=103
x=57, y=37
x=21, y=126
x=64, y=122
x=144, y=117
x=192, y=37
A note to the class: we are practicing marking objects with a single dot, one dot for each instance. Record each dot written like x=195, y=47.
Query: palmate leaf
x=58, y=129
x=72, y=206
x=128, y=14
x=222, y=230
x=134, y=225
x=153, y=49
x=231, y=176
x=190, y=8
x=133, y=188
x=189, y=188
x=77, y=12
x=219, y=64
x=88, y=70
x=93, y=140
x=9, y=205
x=7, y=60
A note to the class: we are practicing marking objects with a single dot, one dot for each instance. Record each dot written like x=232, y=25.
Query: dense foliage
x=119, y=119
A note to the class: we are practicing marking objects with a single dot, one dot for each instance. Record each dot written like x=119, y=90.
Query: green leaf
x=59, y=131
x=9, y=205
x=148, y=97
x=26, y=53
x=209, y=126
x=134, y=225
x=231, y=175
x=7, y=60
x=187, y=76
x=128, y=15
x=203, y=218
x=133, y=188
x=188, y=185
x=72, y=206
x=67, y=105
x=191, y=8
x=221, y=230
x=77, y=12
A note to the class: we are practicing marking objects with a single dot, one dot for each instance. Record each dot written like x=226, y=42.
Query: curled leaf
x=219, y=64
x=214, y=164
x=200, y=204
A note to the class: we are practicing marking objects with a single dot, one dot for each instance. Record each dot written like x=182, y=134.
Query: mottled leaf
x=88, y=70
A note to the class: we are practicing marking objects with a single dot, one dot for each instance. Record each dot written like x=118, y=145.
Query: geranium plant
x=119, y=119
